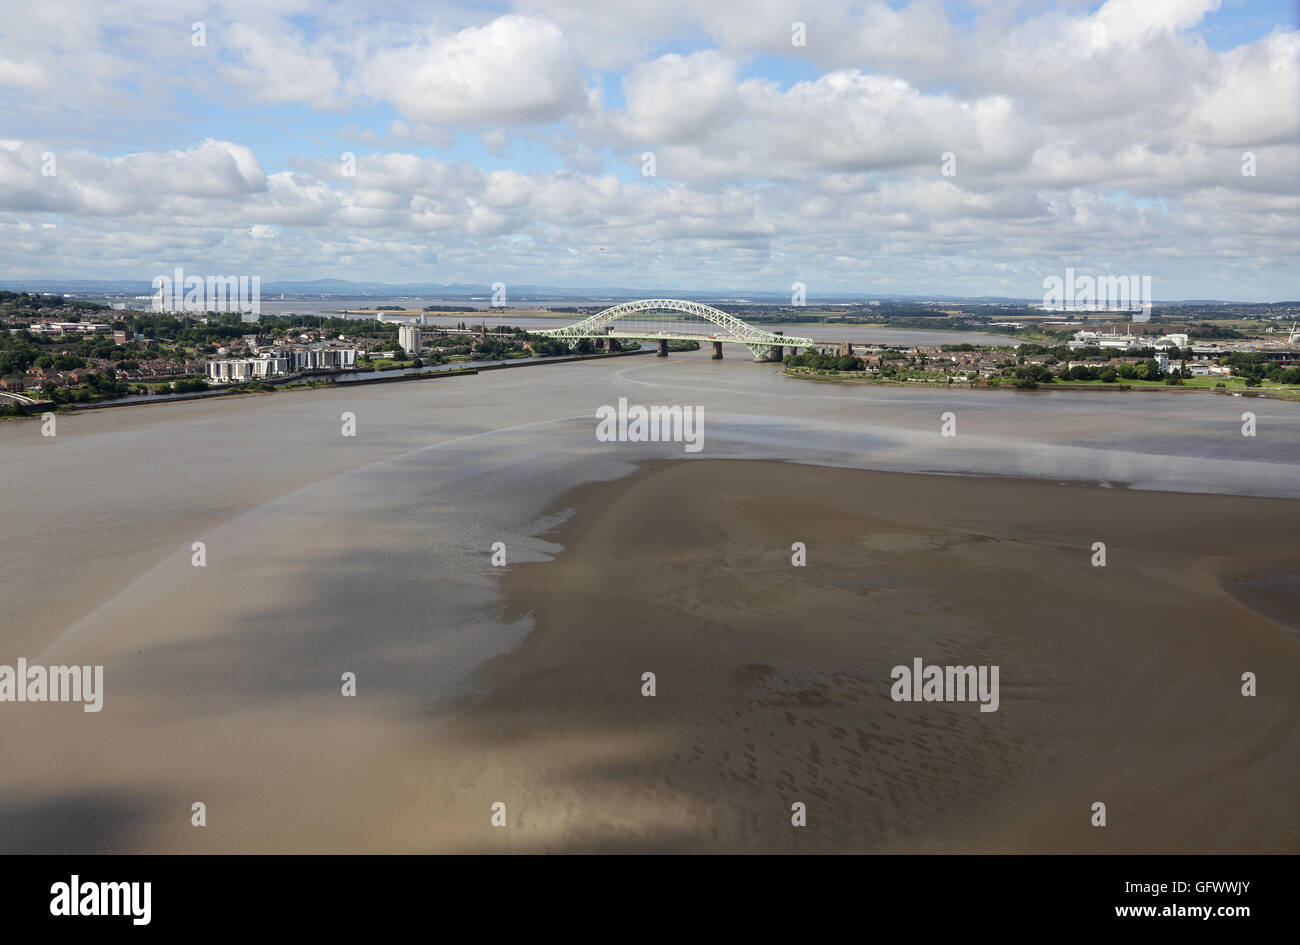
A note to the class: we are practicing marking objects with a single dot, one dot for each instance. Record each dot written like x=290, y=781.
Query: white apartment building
x=247, y=369
x=322, y=358
x=409, y=337
x=281, y=361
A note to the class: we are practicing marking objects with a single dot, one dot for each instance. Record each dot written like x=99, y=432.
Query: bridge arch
x=733, y=330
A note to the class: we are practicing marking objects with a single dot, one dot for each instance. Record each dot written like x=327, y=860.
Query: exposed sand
x=1119, y=684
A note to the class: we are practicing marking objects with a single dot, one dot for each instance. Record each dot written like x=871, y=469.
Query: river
x=371, y=553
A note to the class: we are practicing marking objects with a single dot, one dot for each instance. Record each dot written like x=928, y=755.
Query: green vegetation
x=18, y=352
x=34, y=304
x=823, y=362
x=548, y=347
x=97, y=387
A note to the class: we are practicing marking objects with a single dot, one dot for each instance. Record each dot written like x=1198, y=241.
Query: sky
x=965, y=148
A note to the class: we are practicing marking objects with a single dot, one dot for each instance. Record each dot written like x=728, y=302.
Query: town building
x=410, y=339
x=326, y=357
x=64, y=328
x=1113, y=339
x=246, y=369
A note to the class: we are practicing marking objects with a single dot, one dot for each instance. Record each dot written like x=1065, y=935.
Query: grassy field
x=1228, y=383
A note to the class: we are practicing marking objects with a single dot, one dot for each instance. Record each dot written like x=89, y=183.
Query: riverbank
x=316, y=381
x=858, y=377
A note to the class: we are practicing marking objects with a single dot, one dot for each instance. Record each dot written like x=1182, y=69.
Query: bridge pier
x=778, y=351
x=663, y=348
x=717, y=351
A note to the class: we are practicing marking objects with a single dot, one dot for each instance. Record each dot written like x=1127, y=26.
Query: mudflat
x=1119, y=684
x=773, y=683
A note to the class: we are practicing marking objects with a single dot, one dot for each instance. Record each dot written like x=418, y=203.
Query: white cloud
x=276, y=67
x=1254, y=97
x=676, y=98
x=514, y=70
x=823, y=160
x=28, y=75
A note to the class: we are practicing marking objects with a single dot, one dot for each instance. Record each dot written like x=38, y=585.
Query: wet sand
x=1119, y=684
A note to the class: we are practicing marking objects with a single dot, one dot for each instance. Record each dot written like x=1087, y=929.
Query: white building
x=62, y=328
x=1111, y=339
x=281, y=361
x=408, y=336
x=1098, y=339
x=322, y=358
x=247, y=369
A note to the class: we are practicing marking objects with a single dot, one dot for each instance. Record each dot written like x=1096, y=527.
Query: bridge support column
x=717, y=351
x=778, y=351
x=663, y=348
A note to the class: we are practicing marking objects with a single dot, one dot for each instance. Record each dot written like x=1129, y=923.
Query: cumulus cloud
x=275, y=67
x=82, y=182
x=513, y=70
x=1112, y=136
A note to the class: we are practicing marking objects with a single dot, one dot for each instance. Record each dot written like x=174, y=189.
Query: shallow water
x=377, y=547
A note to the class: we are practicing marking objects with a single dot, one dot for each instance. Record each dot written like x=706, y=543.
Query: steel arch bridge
x=16, y=398
x=632, y=320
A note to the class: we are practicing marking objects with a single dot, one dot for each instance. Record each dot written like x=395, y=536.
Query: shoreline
x=331, y=381
x=1280, y=393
